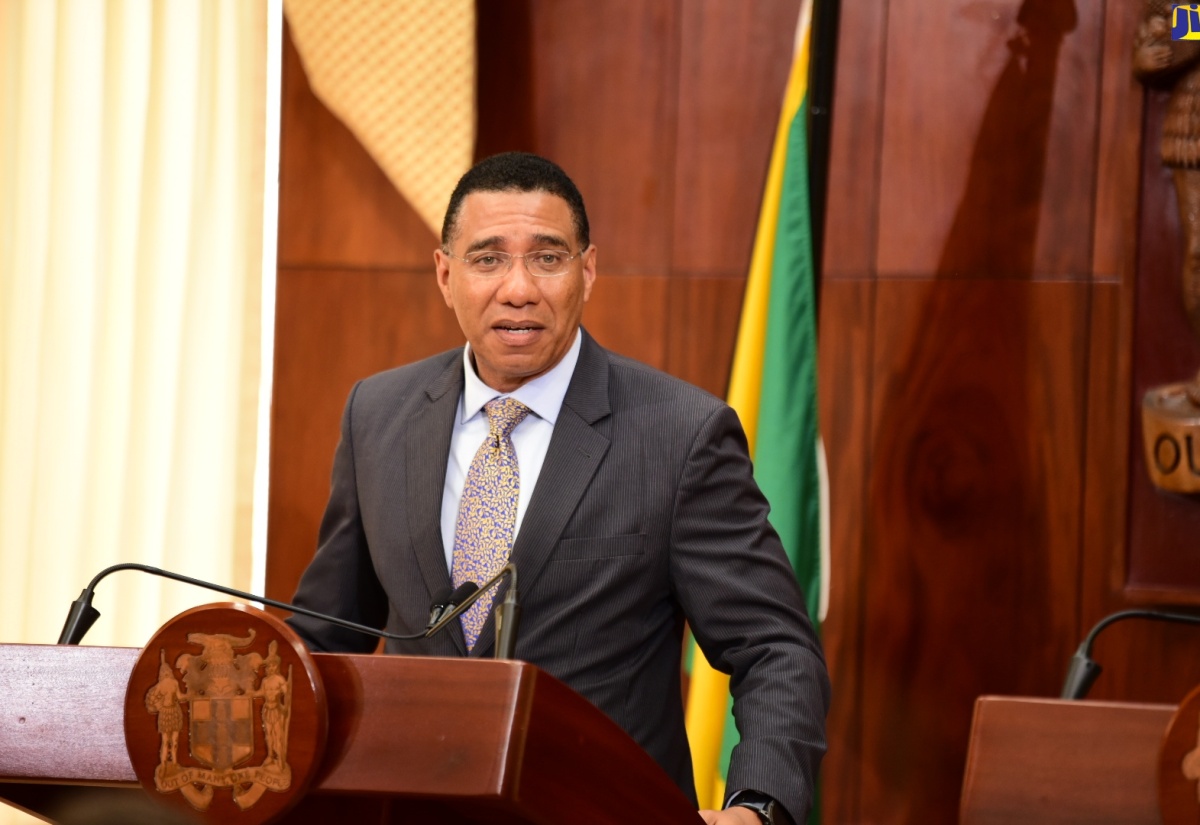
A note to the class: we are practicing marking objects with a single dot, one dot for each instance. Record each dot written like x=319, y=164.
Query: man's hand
x=731, y=816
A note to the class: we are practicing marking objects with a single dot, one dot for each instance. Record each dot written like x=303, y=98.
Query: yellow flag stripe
x=708, y=702
x=745, y=382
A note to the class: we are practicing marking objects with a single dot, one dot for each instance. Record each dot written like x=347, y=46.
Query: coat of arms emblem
x=226, y=697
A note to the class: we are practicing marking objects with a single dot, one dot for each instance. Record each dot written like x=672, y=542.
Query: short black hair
x=517, y=172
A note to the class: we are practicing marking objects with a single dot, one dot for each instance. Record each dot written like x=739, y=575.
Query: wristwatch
x=768, y=810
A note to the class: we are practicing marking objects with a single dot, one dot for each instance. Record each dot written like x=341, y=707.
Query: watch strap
x=760, y=803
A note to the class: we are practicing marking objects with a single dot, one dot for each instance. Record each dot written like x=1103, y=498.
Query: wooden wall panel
x=504, y=102
x=993, y=530
x=355, y=262
x=972, y=562
x=1105, y=508
x=1163, y=557
x=852, y=209
x=1142, y=553
x=846, y=344
x=628, y=313
x=1119, y=149
x=1146, y=661
x=1105, y=514
x=702, y=329
x=333, y=327
x=605, y=109
x=336, y=207
x=989, y=138
x=722, y=104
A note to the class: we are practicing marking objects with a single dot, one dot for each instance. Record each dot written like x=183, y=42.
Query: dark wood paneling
x=989, y=138
x=1105, y=512
x=333, y=327
x=702, y=327
x=723, y=105
x=852, y=209
x=973, y=522
x=606, y=109
x=995, y=526
x=1117, y=171
x=1140, y=541
x=847, y=329
x=628, y=314
x=1164, y=555
x=846, y=336
x=504, y=77
x=336, y=207
x=1146, y=661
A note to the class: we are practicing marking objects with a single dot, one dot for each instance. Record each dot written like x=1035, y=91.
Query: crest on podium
x=214, y=697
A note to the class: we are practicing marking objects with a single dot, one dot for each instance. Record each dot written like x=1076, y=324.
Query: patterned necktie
x=487, y=511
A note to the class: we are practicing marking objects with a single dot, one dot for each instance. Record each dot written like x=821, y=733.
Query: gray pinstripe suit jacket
x=645, y=515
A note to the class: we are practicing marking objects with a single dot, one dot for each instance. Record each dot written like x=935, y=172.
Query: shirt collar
x=543, y=395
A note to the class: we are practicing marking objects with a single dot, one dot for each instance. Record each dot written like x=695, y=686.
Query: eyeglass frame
x=513, y=258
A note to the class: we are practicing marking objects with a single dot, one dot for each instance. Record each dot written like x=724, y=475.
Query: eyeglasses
x=542, y=263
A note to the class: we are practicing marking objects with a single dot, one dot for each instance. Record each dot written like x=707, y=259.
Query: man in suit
x=629, y=494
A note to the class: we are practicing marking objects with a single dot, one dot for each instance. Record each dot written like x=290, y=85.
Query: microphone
x=1083, y=670
x=447, y=600
x=82, y=615
x=508, y=616
x=506, y=623
x=440, y=600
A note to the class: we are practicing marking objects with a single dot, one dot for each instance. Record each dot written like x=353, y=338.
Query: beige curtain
x=131, y=181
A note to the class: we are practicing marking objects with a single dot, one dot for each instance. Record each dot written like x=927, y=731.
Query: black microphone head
x=441, y=598
x=446, y=601
x=462, y=592
x=441, y=603
x=1080, y=676
x=80, y=619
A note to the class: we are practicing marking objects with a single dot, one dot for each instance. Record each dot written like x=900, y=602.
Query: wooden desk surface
x=1036, y=761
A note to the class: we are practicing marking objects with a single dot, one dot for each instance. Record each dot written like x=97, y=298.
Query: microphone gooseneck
x=509, y=570
x=446, y=606
x=82, y=615
x=508, y=616
x=1083, y=671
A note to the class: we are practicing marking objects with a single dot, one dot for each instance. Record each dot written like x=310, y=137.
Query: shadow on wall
x=960, y=488
x=995, y=228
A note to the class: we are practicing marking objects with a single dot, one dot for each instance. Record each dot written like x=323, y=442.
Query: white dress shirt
x=531, y=438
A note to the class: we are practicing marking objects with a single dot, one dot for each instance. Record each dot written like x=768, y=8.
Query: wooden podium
x=409, y=739
x=1054, y=761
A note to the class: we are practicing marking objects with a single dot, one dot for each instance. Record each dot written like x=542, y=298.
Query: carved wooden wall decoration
x=1164, y=557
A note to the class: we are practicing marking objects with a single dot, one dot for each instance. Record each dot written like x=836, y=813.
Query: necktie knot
x=504, y=414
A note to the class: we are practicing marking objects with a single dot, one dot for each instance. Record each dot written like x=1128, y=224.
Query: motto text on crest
x=221, y=690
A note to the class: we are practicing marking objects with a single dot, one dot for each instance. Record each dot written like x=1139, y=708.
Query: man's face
x=519, y=326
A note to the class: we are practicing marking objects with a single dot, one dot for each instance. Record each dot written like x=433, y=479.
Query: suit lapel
x=428, y=445
x=575, y=452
